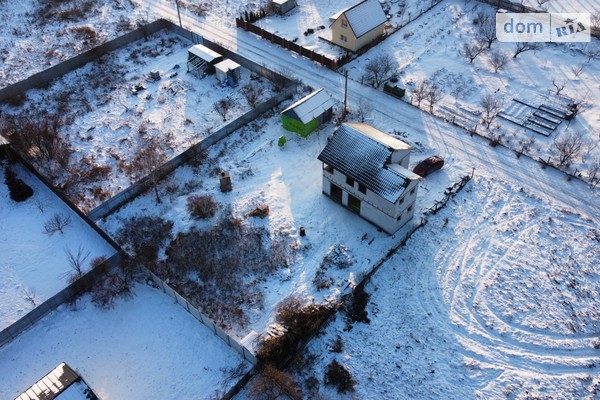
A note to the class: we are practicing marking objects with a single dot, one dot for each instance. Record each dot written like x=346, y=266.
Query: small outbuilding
x=283, y=6
x=60, y=383
x=228, y=71
x=308, y=113
x=202, y=60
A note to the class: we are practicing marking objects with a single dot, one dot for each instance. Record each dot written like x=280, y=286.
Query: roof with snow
x=354, y=151
x=363, y=17
x=3, y=141
x=310, y=107
x=204, y=53
x=227, y=65
x=55, y=385
x=281, y=2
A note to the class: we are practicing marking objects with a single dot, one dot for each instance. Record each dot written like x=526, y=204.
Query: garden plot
x=39, y=34
x=284, y=186
x=496, y=297
x=147, y=347
x=34, y=265
x=118, y=123
x=428, y=49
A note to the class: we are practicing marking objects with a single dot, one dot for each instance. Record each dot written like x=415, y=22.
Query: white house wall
x=401, y=157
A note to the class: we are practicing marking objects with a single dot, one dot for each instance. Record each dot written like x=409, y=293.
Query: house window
x=409, y=209
x=401, y=201
x=362, y=188
x=343, y=38
x=349, y=181
x=344, y=24
x=399, y=217
x=328, y=168
x=412, y=192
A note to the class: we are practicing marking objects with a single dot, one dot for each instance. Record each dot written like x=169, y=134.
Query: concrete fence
x=231, y=342
x=125, y=196
x=44, y=78
x=69, y=293
x=520, y=8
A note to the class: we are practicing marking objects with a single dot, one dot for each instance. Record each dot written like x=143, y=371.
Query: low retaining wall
x=231, y=342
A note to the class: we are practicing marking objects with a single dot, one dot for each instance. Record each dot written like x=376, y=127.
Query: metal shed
x=57, y=382
x=308, y=113
x=202, y=60
x=283, y=6
x=228, y=71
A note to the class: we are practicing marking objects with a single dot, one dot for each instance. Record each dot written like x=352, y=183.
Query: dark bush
x=141, y=235
x=19, y=190
x=357, y=305
x=201, y=206
x=338, y=376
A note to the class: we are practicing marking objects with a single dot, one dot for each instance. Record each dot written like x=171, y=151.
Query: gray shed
x=202, y=60
x=283, y=6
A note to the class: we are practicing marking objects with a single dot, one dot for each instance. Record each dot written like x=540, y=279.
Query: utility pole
x=178, y=14
x=345, y=92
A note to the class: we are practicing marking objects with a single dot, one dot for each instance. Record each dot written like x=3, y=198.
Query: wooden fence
x=330, y=63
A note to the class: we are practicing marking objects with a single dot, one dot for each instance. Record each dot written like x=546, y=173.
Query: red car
x=428, y=165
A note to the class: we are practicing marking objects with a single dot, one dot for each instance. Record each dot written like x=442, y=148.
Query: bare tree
x=76, y=264
x=252, y=92
x=498, y=59
x=147, y=159
x=522, y=47
x=364, y=109
x=542, y=4
x=486, y=32
x=30, y=296
x=594, y=172
x=222, y=107
x=568, y=147
x=491, y=107
x=379, y=69
x=420, y=91
x=470, y=50
x=558, y=85
x=595, y=19
x=57, y=223
x=434, y=94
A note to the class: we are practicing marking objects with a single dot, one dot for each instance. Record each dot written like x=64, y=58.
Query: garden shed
x=202, y=60
x=228, y=71
x=283, y=6
x=61, y=382
x=308, y=113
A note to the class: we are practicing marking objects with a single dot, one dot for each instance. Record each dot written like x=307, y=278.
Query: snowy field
x=496, y=297
x=148, y=347
x=428, y=49
x=107, y=126
x=40, y=33
x=34, y=265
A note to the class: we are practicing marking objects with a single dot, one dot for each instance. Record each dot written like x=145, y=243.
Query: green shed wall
x=293, y=125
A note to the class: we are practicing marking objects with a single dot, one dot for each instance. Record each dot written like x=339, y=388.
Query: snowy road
x=453, y=143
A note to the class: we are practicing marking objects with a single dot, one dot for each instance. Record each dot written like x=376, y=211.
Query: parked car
x=428, y=165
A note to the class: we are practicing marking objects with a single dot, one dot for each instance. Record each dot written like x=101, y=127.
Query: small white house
x=228, y=71
x=202, y=60
x=365, y=170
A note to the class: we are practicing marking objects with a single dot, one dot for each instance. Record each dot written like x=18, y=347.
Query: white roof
x=311, y=106
x=280, y=2
x=380, y=136
x=364, y=16
x=204, y=53
x=226, y=65
x=52, y=385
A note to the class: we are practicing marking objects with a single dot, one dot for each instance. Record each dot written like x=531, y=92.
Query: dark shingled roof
x=363, y=159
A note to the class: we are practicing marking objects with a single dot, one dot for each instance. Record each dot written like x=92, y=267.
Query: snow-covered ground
x=34, y=265
x=106, y=125
x=496, y=297
x=148, y=347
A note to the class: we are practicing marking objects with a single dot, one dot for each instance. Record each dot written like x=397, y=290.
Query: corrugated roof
x=363, y=159
x=365, y=16
x=51, y=385
x=204, y=53
x=310, y=107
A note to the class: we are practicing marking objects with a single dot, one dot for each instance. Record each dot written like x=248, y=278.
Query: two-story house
x=358, y=25
x=365, y=170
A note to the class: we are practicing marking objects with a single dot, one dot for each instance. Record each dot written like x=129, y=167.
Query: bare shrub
x=568, y=146
x=252, y=93
x=271, y=383
x=201, y=206
x=147, y=159
x=521, y=47
x=558, y=86
x=86, y=35
x=57, y=223
x=222, y=107
x=300, y=319
x=75, y=261
x=30, y=296
x=260, y=211
x=594, y=172
x=434, y=94
x=491, y=107
x=115, y=284
x=498, y=59
x=143, y=234
x=420, y=91
x=339, y=376
x=364, y=109
x=471, y=50
x=380, y=68
x=356, y=306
